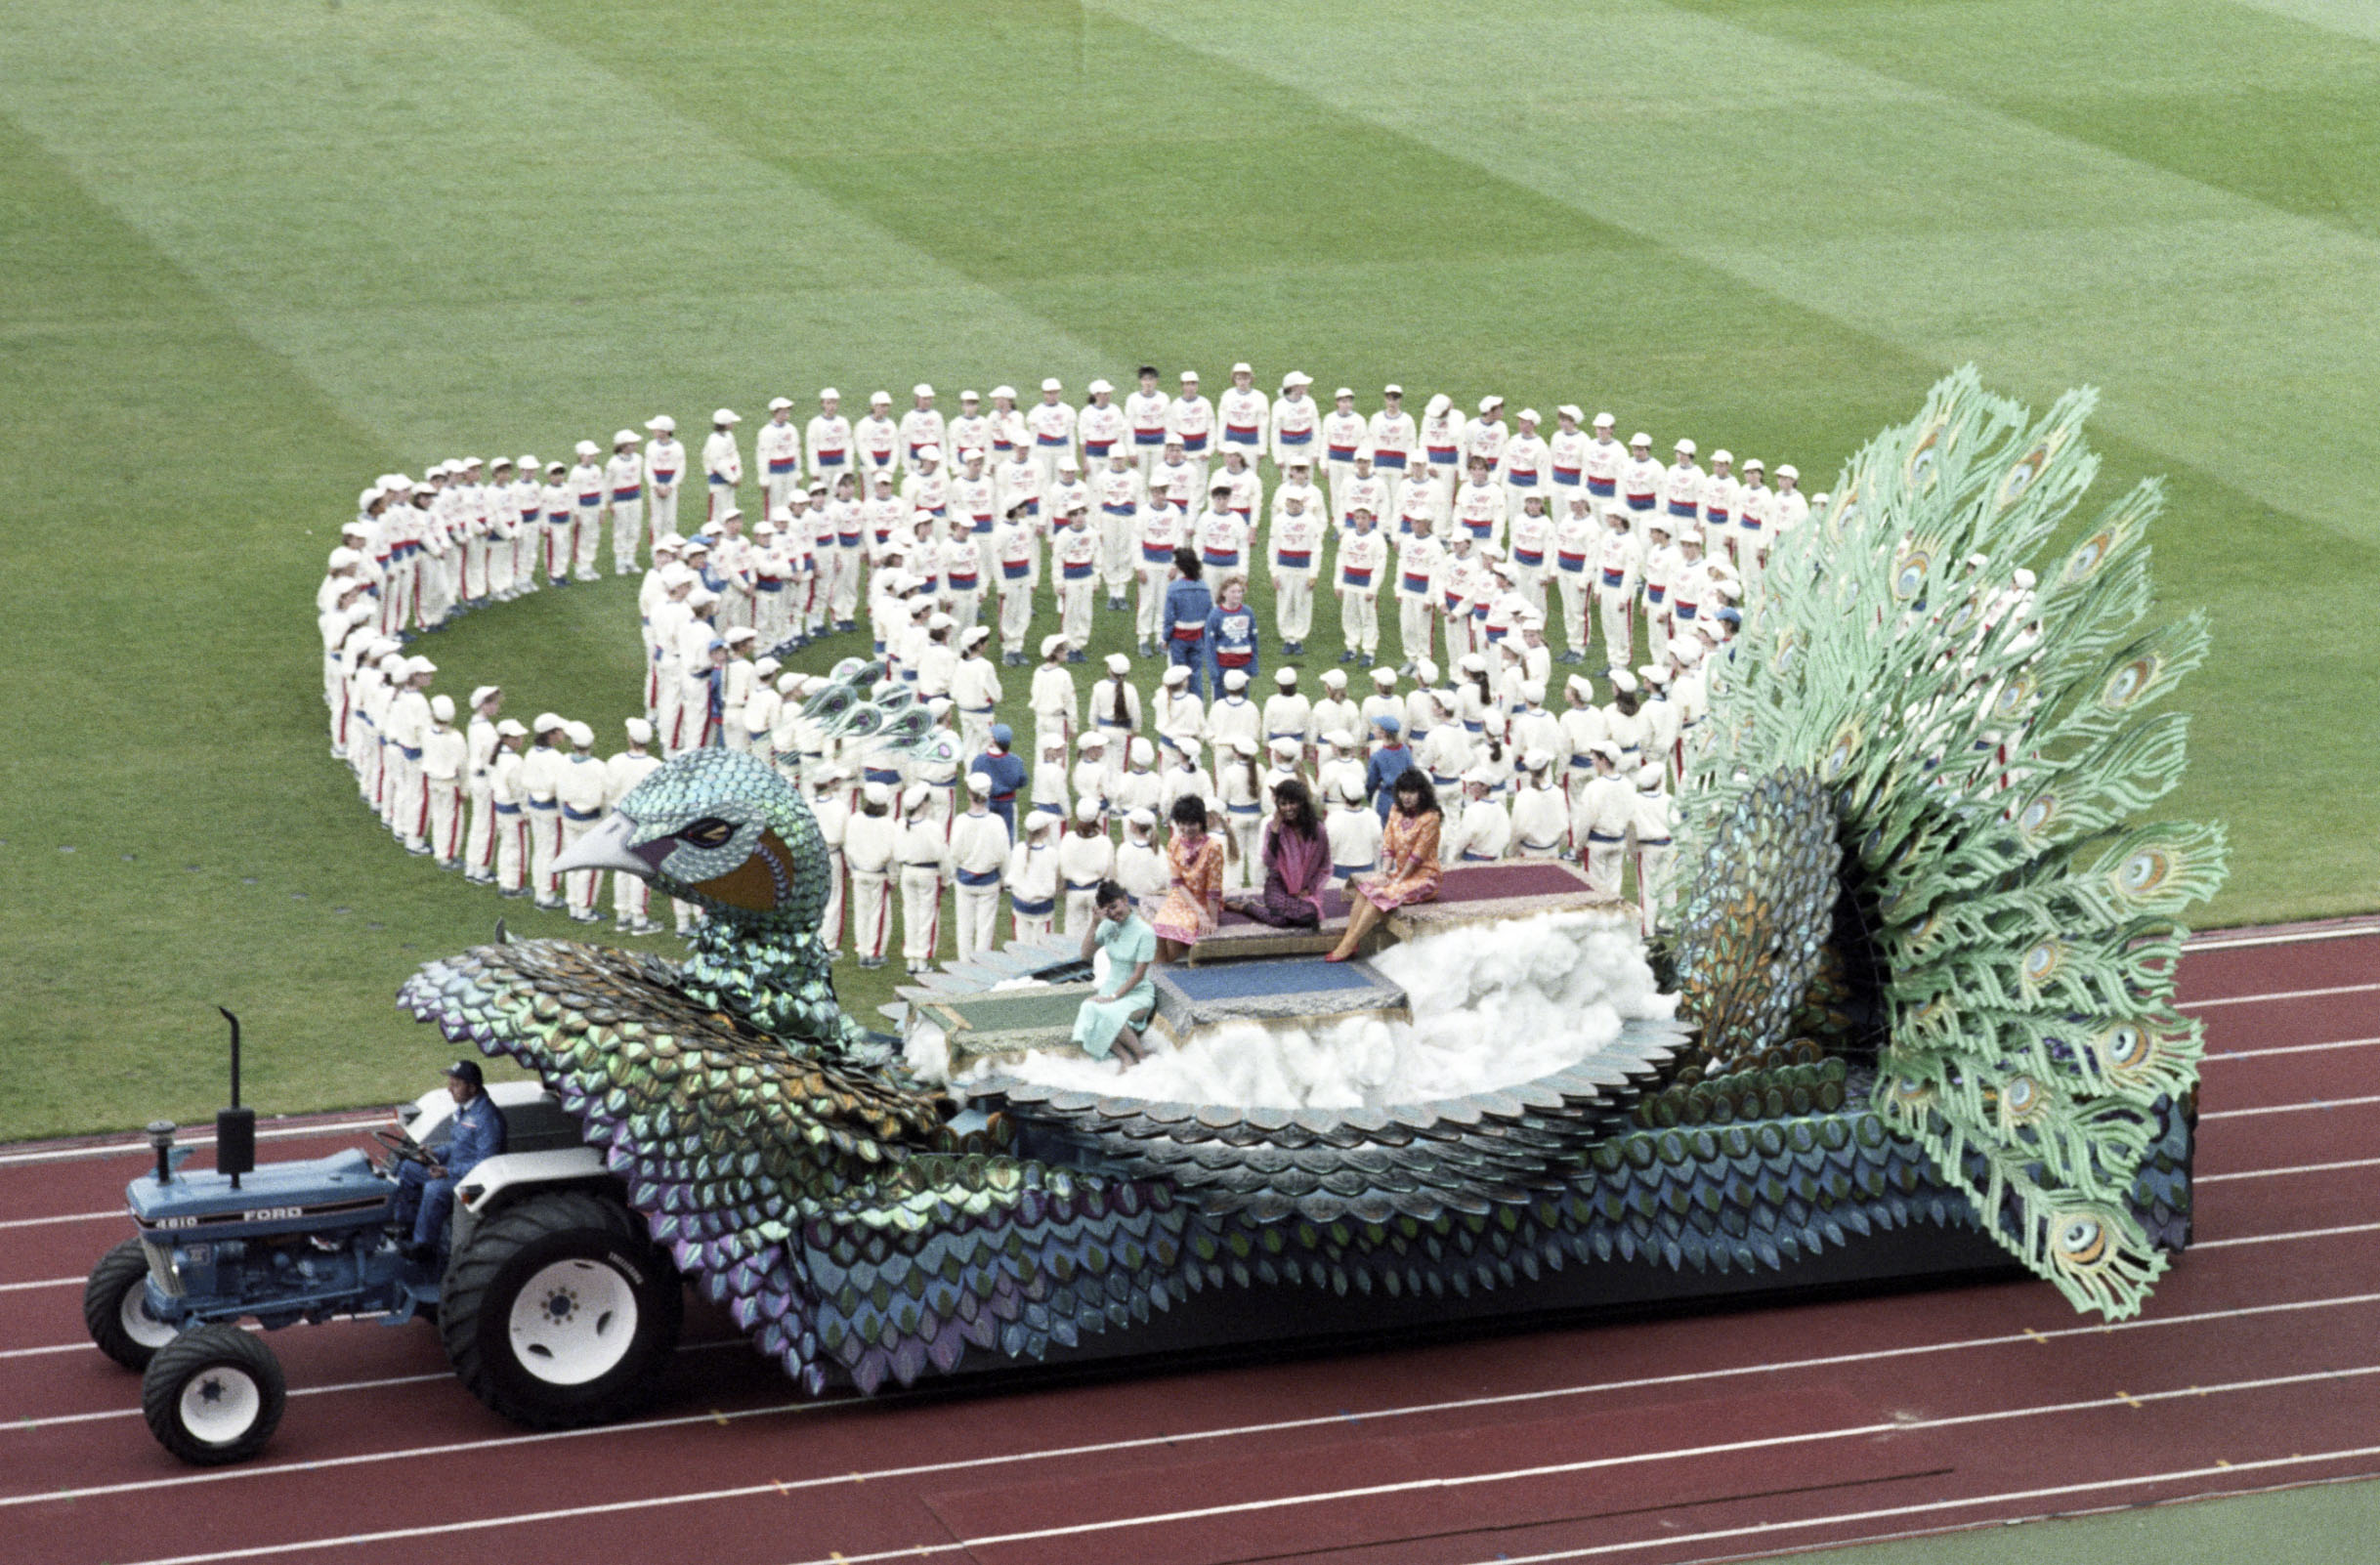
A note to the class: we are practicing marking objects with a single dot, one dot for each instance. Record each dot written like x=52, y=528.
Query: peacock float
x=1923, y=966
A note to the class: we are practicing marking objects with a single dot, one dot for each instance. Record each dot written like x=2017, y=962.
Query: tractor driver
x=425, y=1191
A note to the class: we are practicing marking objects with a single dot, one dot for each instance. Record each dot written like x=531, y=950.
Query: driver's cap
x=467, y=1071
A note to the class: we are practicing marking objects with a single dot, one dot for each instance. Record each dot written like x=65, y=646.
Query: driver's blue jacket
x=479, y=1133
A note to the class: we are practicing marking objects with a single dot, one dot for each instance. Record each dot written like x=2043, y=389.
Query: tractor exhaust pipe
x=234, y=1126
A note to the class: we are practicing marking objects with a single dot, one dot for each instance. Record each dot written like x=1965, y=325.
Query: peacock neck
x=773, y=976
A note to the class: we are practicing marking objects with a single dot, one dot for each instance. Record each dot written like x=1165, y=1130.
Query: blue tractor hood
x=311, y=1193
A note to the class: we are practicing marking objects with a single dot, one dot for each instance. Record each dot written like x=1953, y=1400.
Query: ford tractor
x=554, y=1306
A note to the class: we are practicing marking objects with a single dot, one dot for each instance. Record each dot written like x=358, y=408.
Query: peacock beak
x=605, y=848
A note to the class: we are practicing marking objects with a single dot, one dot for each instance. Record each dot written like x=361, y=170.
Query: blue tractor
x=554, y=1306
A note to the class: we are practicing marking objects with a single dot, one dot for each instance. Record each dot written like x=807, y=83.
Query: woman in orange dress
x=1408, y=861
x=1194, y=902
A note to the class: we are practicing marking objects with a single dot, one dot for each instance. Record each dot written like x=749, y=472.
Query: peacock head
x=716, y=828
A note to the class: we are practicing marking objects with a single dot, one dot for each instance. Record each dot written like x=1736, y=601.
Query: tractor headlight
x=163, y=1268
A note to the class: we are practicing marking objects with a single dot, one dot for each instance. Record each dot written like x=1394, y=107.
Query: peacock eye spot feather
x=2037, y=813
x=2144, y=871
x=2041, y=961
x=2087, y=556
x=2082, y=1241
x=2126, y=684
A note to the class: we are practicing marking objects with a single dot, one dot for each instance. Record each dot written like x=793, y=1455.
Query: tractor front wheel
x=116, y=1308
x=560, y=1311
x=213, y=1395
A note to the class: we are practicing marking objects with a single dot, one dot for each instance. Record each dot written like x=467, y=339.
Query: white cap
x=1439, y=404
x=589, y=448
x=1568, y=410
x=929, y=453
x=790, y=682
x=1654, y=673
x=778, y=405
x=829, y=394
x=1142, y=750
x=1603, y=421
x=509, y=729
x=2022, y=579
x=1789, y=471
x=1040, y=820
x=480, y=693
x=1243, y=367
x=1119, y=664
x=661, y=422
x=740, y=634
x=1424, y=672
x=1490, y=402
x=627, y=437
x=1067, y=464
x=973, y=635
x=1178, y=674
x=640, y=731
x=1098, y=386
x=1723, y=454
x=1296, y=377
x=1244, y=747
x=877, y=794
x=1685, y=447
x=1688, y=650
x=1650, y=775
x=1339, y=739
x=1189, y=378
x=1235, y=679
x=1527, y=415
x=1393, y=389
x=1285, y=747
x=1472, y=664
x=922, y=389
x=882, y=399
x=1481, y=776
x=1285, y=677
x=420, y=666
x=1052, y=643
x=1579, y=685
x=1188, y=749
x=1335, y=678
x=546, y=722
x=1095, y=739
x=1753, y=464
x=1690, y=534
x=1086, y=808
x=970, y=397
x=1343, y=390
x=1143, y=818
x=915, y=797
x=1639, y=438
x=442, y=707
x=1532, y=690
x=1005, y=390
x=941, y=621
x=725, y=415
x=1053, y=384
x=1383, y=677
x=1622, y=680
x=582, y=735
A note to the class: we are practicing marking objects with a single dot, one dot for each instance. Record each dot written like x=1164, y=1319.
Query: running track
x=1720, y=1436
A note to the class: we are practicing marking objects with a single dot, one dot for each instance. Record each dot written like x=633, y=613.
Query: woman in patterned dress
x=1195, y=903
x=1408, y=861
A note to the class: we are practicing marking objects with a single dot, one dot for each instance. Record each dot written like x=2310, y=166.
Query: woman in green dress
x=1112, y=1019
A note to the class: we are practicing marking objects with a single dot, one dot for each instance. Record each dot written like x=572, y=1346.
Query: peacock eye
x=708, y=832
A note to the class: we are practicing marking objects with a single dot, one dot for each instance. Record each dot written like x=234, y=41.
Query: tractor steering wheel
x=402, y=1147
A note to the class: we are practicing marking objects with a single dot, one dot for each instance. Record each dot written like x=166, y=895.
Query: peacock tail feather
x=1986, y=752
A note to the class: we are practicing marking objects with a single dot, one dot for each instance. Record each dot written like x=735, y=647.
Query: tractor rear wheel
x=213, y=1395
x=560, y=1311
x=116, y=1308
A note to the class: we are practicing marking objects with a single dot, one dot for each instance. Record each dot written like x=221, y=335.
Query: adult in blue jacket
x=1231, y=634
x=1188, y=603
x=1392, y=760
x=425, y=1192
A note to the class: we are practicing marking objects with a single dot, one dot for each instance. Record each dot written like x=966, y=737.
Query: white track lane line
x=125, y=1149
x=2290, y=1108
x=2220, y=942
x=2282, y=1239
x=116, y=1213
x=1558, y=1469
x=1730, y=1448
x=38, y=1352
x=2288, y=1049
x=2275, y=1174
x=46, y=1282
x=1464, y=1404
x=1936, y=1506
x=2275, y=994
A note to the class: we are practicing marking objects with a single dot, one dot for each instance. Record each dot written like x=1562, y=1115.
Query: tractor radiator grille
x=160, y=1268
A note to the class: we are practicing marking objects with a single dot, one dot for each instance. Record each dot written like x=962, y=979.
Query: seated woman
x=1111, y=1020
x=1194, y=904
x=1296, y=859
x=1409, y=864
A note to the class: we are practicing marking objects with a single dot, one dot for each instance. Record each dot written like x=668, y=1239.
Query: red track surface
x=1716, y=1436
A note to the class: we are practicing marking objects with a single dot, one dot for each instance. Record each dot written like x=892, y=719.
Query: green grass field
x=259, y=253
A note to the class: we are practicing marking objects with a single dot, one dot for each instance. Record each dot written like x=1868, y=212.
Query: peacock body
x=1929, y=962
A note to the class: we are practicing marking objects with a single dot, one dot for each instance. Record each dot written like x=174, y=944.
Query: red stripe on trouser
x=883, y=919
x=488, y=862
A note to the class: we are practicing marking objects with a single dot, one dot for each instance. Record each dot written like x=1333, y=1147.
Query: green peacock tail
x=1970, y=756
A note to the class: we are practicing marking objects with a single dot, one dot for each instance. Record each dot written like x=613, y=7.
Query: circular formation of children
x=1223, y=784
